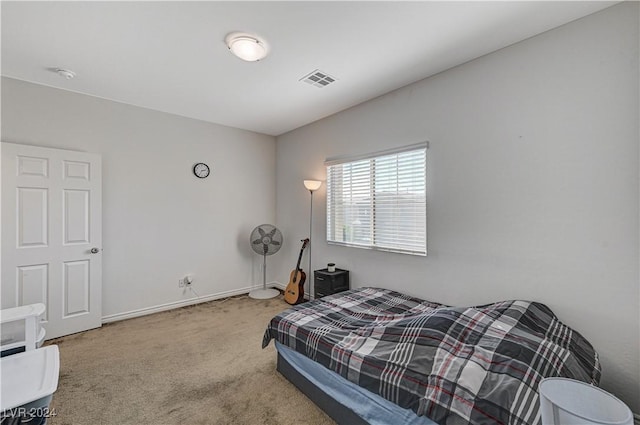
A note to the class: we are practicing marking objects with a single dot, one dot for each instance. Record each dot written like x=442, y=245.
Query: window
x=379, y=201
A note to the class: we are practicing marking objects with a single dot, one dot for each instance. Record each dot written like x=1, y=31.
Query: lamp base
x=264, y=294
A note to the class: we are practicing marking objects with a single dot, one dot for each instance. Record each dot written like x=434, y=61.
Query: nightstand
x=328, y=283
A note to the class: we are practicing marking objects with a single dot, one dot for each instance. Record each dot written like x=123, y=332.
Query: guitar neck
x=304, y=245
x=299, y=259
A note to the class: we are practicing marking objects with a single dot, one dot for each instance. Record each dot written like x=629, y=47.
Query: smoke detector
x=68, y=74
x=318, y=78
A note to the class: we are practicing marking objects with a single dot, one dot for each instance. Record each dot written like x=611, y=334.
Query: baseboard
x=278, y=285
x=283, y=286
x=183, y=303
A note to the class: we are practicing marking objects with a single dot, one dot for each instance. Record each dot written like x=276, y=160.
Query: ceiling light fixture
x=247, y=47
x=68, y=74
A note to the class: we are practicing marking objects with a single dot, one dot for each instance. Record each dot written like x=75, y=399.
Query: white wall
x=532, y=183
x=159, y=221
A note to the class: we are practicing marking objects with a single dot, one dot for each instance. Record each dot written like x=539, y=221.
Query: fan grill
x=266, y=239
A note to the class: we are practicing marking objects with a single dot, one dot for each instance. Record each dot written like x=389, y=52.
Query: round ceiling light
x=246, y=46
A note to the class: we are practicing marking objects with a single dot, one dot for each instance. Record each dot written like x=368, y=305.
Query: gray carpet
x=198, y=365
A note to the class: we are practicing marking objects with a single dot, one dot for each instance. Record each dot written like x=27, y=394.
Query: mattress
x=369, y=406
x=455, y=365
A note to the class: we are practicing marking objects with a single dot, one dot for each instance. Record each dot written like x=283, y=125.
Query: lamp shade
x=566, y=401
x=312, y=184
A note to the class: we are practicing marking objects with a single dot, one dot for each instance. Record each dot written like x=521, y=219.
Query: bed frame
x=332, y=407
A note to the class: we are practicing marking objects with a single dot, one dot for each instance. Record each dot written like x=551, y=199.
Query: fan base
x=264, y=294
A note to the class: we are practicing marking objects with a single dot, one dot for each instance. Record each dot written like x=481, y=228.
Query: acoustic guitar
x=294, y=293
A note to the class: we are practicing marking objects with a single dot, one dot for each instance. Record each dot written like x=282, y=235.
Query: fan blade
x=275, y=243
x=273, y=232
x=262, y=233
x=265, y=248
x=257, y=241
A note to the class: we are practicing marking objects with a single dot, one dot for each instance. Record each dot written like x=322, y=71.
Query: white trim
x=183, y=303
x=283, y=286
x=378, y=248
x=279, y=285
x=353, y=158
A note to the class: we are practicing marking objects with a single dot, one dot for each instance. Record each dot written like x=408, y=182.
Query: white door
x=52, y=235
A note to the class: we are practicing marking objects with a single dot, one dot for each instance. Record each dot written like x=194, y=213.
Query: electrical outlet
x=181, y=283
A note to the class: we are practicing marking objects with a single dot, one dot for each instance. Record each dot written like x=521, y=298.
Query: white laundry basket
x=566, y=401
x=28, y=373
x=21, y=328
x=27, y=382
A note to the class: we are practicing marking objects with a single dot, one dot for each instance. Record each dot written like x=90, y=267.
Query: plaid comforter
x=478, y=365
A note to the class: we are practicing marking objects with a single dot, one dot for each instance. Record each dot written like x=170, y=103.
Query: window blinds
x=379, y=202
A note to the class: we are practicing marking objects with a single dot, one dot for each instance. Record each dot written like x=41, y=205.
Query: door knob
x=95, y=250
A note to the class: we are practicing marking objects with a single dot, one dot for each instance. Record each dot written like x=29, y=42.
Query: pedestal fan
x=265, y=240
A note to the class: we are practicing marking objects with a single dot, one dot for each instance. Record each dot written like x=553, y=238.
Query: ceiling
x=171, y=56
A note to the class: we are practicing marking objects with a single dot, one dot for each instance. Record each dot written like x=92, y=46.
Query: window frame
x=372, y=157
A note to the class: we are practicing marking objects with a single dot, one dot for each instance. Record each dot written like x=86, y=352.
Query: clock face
x=201, y=170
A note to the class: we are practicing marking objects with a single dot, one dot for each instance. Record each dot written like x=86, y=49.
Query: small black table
x=328, y=283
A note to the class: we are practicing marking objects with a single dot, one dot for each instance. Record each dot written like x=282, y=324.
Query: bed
x=437, y=364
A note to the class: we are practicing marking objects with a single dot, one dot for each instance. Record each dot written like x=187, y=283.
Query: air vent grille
x=318, y=78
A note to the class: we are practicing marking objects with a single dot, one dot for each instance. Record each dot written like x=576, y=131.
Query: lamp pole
x=310, y=239
x=311, y=186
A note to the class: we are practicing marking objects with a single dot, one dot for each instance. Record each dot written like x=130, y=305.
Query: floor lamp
x=311, y=185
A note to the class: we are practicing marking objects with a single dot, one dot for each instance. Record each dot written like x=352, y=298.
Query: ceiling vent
x=318, y=78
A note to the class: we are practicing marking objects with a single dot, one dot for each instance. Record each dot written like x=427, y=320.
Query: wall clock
x=201, y=170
